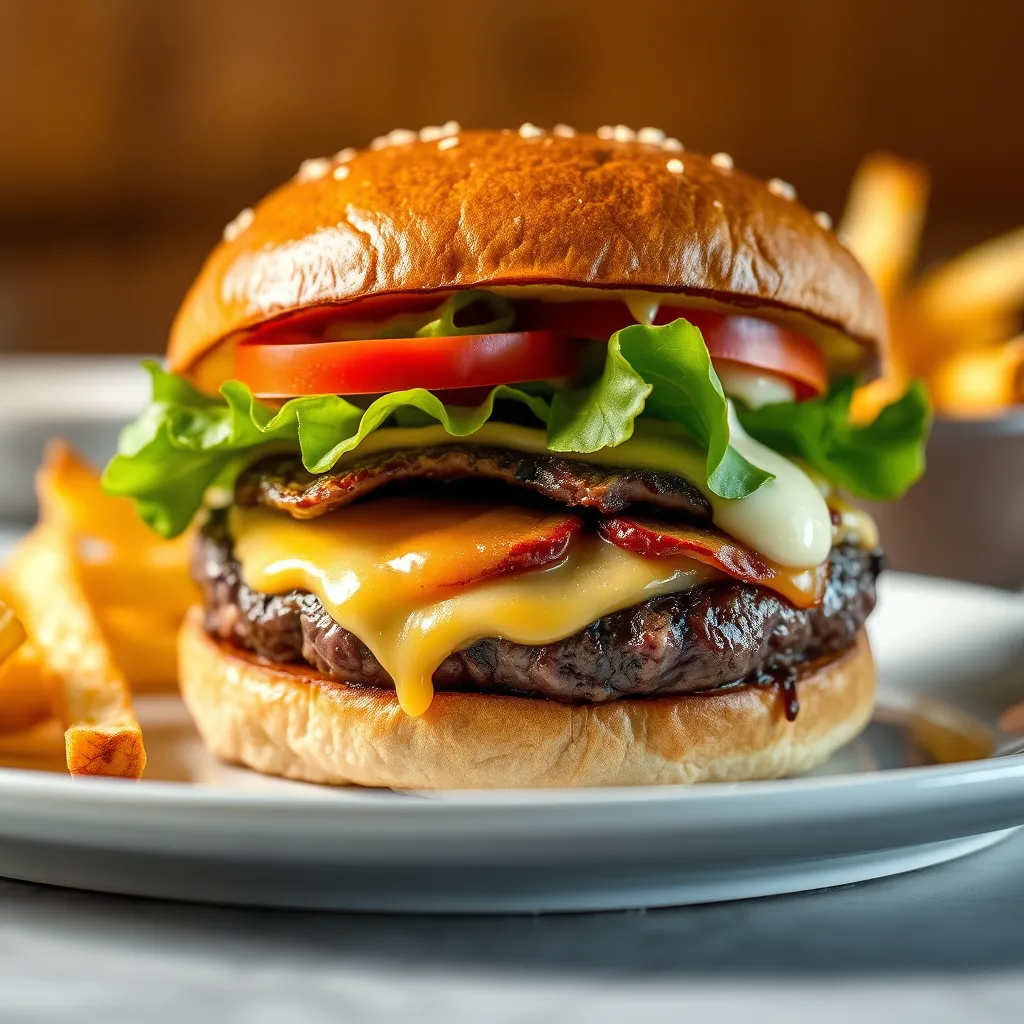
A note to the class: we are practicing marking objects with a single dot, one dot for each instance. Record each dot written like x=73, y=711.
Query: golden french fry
x=979, y=382
x=102, y=735
x=26, y=691
x=116, y=583
x=871, y=399
x=12, y=632
x=138, y=584
x=70, y=495
x=144, y=643
x=25, y=697
x=883, y=219
x=984, y=285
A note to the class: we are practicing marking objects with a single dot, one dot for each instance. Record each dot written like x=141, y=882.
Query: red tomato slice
x=293, y=365
x=739, y=339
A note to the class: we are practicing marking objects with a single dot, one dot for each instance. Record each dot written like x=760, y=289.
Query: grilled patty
x=707, y=637
x=280, y=482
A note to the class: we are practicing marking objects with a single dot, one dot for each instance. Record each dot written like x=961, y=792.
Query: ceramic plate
x=926, y=783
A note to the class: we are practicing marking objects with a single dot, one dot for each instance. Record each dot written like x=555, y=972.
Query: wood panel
x=134, y=130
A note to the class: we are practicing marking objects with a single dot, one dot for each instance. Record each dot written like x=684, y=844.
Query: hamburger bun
x=289, y=721
x=487, y=209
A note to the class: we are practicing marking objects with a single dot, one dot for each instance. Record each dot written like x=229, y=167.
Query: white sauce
x=786, y=519
x=754, y=389
x=643, y=308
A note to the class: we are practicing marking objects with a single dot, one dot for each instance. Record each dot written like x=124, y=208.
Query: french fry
x=25, y=697
x=984, y=285
x=979, y=382
x=102, y=735
x=883, y=219
x=26, y=691
x=12, y=632
x=71, y=496
x=138, y=584
x=882, y=226
x=144, y=643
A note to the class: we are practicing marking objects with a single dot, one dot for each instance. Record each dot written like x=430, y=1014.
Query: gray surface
x=85, y=399
x=946, y=944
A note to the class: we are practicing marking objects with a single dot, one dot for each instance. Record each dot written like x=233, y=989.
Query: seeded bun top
x=446, y=210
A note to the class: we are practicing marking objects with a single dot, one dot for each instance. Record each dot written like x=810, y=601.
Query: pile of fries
x=90, y=604
x=958, y=327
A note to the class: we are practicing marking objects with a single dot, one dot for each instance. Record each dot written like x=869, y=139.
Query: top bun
x=487, y=208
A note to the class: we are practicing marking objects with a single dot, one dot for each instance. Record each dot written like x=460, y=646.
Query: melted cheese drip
x=367, y=572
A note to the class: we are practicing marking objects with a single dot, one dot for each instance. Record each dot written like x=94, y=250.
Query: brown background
x=133, y=130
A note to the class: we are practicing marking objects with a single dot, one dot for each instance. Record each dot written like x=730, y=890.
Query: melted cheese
x=786, y=520
x=368, y=570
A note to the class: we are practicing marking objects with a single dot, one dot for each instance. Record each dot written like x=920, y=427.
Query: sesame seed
x=606, y=131
x=823, y=220
x=381, y=142
x=341, y=172
x=723, y=161
x=431, y=133
x=782, y=189
x=401, y=136
x=675, y=166
x=674, y=145
x=717, y=204
x=311, y=170
x=530, y=131
x=448, y=143
x=239, y=224
x=344, y=155
x=623, y=133
x=451, y=128
x=563, y=131
x=650, y=136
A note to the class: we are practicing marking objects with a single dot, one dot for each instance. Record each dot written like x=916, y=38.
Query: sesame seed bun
x=290, y=721
x=487, y=209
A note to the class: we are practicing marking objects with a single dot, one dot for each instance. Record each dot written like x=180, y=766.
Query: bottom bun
x=289, y=721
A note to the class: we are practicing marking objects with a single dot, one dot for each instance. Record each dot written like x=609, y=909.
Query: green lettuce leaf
x=877, y=461
x=502, y=316
x=668, y=371
x=184, y=441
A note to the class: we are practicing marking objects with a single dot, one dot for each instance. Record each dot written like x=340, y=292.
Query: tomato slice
x=739, y=339
x=293, y=365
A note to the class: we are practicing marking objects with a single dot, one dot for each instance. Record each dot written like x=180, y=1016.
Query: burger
x=522, y=459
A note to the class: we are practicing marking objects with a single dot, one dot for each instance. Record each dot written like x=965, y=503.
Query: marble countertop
x=944, y=944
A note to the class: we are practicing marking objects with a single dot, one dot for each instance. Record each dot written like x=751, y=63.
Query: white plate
x=950, y=659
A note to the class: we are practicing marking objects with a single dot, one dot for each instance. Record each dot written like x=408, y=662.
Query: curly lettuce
x=184, y=442
x=877, y=461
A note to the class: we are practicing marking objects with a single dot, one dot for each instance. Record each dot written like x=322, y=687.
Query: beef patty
x=707, y=637
x=280, y=482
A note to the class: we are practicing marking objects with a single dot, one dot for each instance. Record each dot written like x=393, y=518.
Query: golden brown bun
x=498, y=209
x=285, y=721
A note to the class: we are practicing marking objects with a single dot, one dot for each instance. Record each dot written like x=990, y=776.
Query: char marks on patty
x=280, y=482
x=696, y=640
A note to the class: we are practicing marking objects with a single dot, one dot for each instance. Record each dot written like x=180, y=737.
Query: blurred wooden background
x=133, y=130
